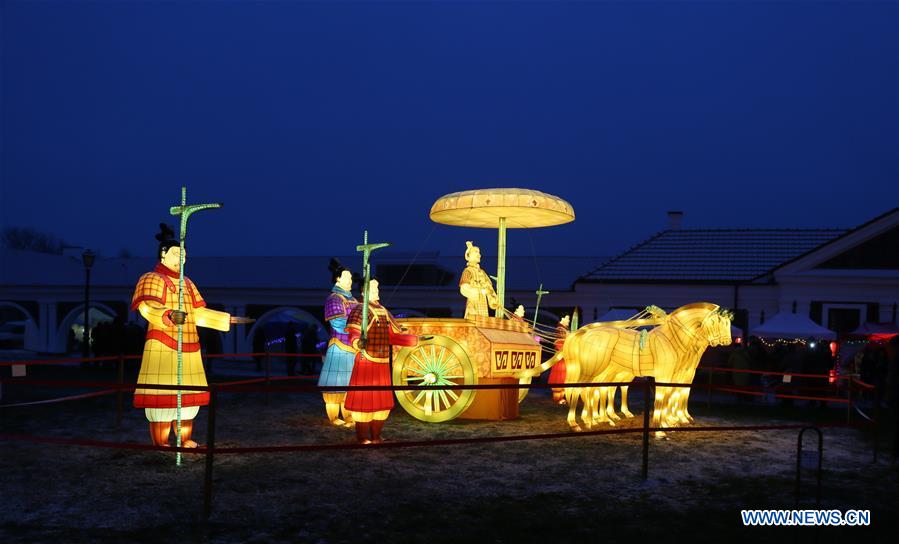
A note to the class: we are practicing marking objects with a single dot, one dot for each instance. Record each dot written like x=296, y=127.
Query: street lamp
x=88, y=259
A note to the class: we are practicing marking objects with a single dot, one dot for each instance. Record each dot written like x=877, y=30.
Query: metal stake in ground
x=185, y=212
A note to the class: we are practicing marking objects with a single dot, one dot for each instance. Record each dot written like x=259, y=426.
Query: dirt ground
x=563, y=490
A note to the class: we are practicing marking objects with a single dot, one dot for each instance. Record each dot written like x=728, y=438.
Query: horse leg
x=610, y=404
x=624, y=411
x=587, y=398
x=595, y=412
x=671, y=418
x=682, y=416
x=571, y=396
x=659, y=410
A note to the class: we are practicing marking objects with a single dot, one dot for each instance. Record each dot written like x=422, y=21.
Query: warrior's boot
x=187, y=428
x=333, y=410
x=376, y=426
x=363, y=432
x=347, y=417
x=559, y=396
x=159, y=432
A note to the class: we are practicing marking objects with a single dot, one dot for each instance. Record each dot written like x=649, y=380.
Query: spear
x=539, y=292
x=185, y=212
x=366, y=250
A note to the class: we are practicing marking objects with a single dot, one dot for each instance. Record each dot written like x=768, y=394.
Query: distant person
x=259, y=347
x=739, y=361
x=309, y=349
x=791, y=363
x=892, y=356
x=290, y=348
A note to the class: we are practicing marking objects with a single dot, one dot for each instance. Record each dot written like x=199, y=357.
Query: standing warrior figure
x=369, y=409
x=475, y=285
x=338, y=366
x=557, y=373
x=156, y=298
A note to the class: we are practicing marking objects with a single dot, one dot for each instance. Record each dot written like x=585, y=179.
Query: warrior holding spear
x=372, y=332
x=174, y=308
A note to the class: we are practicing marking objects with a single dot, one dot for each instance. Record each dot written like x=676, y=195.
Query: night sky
x=312, y=121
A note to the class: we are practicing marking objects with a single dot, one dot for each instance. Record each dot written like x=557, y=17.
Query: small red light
x=833, y=349
x=738, y=340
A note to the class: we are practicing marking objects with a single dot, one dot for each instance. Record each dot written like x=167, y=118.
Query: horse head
x=717, y=327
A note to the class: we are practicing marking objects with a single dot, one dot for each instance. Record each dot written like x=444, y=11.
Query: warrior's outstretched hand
x=240, y=320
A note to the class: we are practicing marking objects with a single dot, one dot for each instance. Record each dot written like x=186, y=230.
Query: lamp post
x=88, y=259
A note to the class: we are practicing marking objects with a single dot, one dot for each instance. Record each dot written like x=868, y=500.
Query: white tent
x=789, y=325
x=876, y=329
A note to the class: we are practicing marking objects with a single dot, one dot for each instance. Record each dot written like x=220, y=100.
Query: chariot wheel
x=439, y=360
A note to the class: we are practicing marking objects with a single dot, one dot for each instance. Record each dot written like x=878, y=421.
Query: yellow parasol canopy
x=521, y=208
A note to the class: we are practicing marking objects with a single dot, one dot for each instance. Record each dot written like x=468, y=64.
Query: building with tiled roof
x=711, y=255
x=839, y=278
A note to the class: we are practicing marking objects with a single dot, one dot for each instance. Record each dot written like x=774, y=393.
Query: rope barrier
x=69, y=360
x=407, y=443
x=61, y=399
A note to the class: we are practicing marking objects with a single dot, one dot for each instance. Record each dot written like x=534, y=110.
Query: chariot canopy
x=501, y=209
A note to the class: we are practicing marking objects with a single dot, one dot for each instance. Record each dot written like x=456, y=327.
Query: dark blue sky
x=312, y=121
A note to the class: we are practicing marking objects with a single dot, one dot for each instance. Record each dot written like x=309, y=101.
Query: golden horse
x=670, y=353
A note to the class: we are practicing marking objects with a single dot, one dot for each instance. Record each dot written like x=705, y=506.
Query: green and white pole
x=366, y=250
x=501, y=270
x=185, y=212
x=539, y=292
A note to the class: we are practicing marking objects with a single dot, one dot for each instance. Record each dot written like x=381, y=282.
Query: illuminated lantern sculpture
x=369, y=409
x=475, y=285
x=156, y=297
x=338, y=363
x=670, y=352
x=557, y=373
x=518, y=314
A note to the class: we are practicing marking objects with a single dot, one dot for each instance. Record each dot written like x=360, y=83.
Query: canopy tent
x=876, y=330
x=789, y=325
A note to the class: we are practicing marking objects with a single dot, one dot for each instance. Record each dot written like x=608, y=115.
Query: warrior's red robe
x=372, y=365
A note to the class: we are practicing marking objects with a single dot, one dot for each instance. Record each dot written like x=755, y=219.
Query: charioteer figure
x=475, y=285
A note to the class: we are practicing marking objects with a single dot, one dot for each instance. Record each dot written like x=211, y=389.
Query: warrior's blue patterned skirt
x=337, y=368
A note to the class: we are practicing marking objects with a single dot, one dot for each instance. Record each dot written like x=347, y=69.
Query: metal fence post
x=799, y=464
x=210, y=452
x=647, y=407
x=120, y=380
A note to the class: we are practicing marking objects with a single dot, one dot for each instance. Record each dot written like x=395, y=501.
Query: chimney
x=675, y=219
